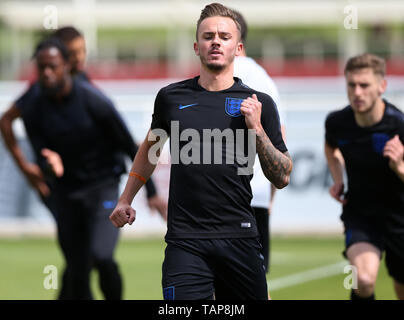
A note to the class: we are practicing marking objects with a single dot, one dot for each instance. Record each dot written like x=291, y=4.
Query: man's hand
x=251, y=110
x=54, y=160
x=36, y=179
x=122, y=214
x=337, y=192
x=394, y=151
x=159, y=204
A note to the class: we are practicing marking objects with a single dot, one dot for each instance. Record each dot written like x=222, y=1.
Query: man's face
x=52, y=69
x=364, y=89
x=77, y=53
x=218, y=42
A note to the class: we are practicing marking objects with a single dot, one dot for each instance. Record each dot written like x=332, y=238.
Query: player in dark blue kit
x=76, y=47
x=212, y=245
x=79, y=141
x=367, y=138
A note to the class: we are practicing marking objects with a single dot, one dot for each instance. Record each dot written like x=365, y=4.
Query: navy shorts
x=262, y=217
x=371, y=231
x=203, y=269
x=361, y=230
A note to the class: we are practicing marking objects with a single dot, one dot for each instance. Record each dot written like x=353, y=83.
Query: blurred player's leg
x=104, y=237
x=366, y=258
x=395, y=265
x=262, y=217
x=65, y=290
x=51, y=203
x=74, y=238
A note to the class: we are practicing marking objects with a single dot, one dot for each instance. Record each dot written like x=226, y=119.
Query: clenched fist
x=122, y=214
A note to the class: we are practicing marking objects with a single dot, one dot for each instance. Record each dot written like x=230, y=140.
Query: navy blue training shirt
x=374, y=189
x=208, y=200
x=84, y=128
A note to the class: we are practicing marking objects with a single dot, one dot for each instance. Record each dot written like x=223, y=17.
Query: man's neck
x=216, y=80
x=67, y=88
x=372, y=117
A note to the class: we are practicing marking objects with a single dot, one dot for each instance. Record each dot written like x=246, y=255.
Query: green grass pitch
x=22, y=263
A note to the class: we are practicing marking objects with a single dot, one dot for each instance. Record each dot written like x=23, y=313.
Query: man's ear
x=239, y=48
x=383, y=86
x=196, y=48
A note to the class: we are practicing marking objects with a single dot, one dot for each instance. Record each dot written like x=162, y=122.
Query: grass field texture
x=302, y=268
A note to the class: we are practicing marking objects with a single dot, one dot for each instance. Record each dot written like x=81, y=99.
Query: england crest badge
x=232, y=106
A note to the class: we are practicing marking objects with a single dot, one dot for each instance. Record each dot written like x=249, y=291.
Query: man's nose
x=47, y=71
x=357, y=90
x=216, y=40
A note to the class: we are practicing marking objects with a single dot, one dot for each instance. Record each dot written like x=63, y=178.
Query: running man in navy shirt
x=367, y=138
x=79, y=141
x=76, y=47
x=212, y=245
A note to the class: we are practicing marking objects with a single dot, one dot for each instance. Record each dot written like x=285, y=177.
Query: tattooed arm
x=276, y=165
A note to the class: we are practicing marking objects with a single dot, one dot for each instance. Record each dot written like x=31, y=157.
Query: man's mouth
x=215, y=52
x=359, y=101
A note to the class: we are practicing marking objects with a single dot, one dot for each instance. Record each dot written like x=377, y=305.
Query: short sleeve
x=270, y=122
x=330, y=132
x=28, y=98
x=159, y=120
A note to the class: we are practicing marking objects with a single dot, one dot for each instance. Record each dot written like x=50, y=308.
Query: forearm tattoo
x=276, y=165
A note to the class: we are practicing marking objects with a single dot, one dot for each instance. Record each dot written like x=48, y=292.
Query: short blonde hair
x=367, y=60
x=217, y=10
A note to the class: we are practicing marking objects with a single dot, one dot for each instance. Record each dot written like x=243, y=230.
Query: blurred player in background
x=366, y=138
x=212, y=245
x=79, y=141
x=254, y=76
x=76, y=47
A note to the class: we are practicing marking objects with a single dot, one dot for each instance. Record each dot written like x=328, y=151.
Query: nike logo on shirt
x=186, y=106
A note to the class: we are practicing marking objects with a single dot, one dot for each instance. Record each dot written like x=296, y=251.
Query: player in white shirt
x=254, y=76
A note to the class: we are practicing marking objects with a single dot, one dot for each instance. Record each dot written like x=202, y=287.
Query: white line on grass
x=306, y=276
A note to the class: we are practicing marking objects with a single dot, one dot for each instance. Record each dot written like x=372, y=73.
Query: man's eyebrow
x=214, y=32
